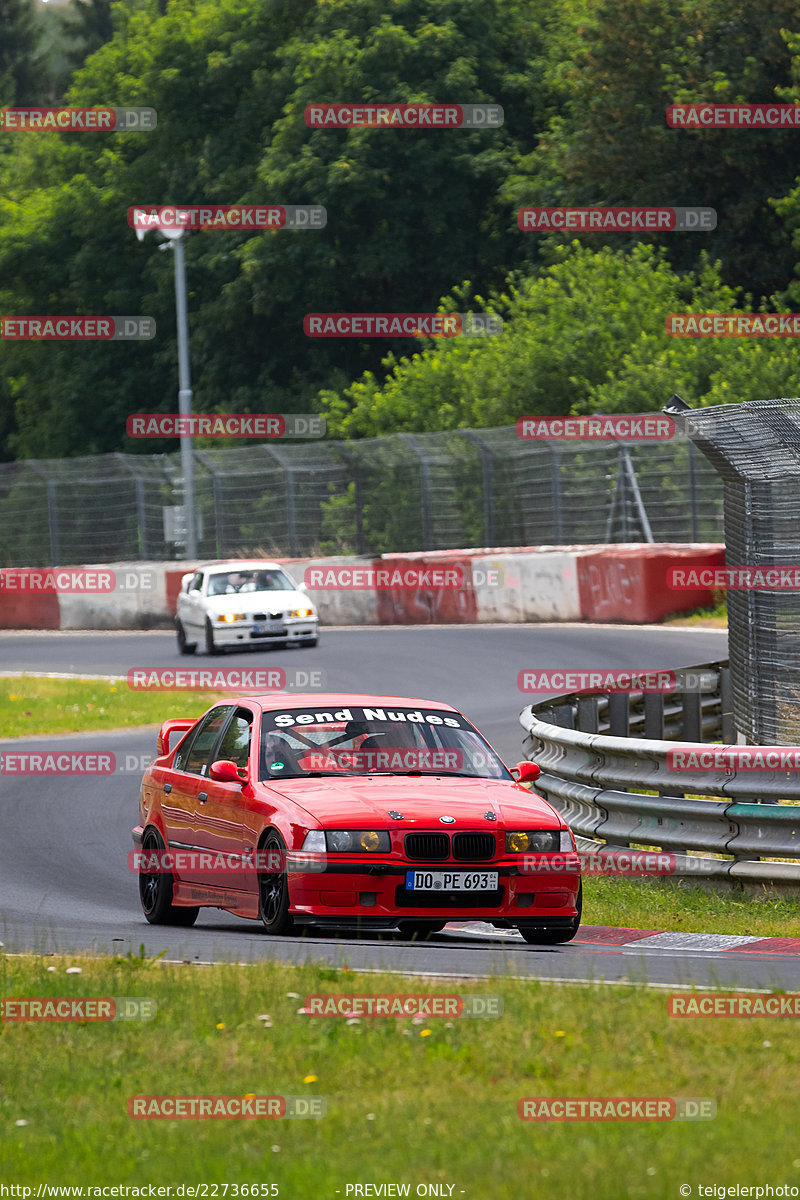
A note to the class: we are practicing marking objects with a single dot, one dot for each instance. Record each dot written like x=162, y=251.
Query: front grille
x=414, y=899
x=473, y=847
x=263, y=616
x=427, y=847
x=259, y=616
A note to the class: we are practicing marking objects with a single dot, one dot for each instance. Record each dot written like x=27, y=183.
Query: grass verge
x=31, y=706
x=407, y=1101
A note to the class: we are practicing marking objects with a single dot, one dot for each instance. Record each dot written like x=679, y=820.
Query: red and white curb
x=616, y=938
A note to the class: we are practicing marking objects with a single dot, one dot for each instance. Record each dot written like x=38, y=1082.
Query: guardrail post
x=588, y=715
x=692, y=717
x=654, y=715
x=619, y=714
x=726, y=707
x=564, y=716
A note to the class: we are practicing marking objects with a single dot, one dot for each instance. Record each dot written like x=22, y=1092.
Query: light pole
x=174, y=242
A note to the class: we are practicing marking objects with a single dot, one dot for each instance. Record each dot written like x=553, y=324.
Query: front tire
x=555, y=937
x=155, y=891
x=211, y=646
x=273, y=892
x=184, y=647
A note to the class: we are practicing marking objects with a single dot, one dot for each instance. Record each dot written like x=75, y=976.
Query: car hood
x=354, y=803
x=249, y=602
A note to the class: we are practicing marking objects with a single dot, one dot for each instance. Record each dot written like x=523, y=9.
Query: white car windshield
x=366, y=741
x=227, y=583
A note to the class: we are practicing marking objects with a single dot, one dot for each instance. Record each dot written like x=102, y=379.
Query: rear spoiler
x=177, y=725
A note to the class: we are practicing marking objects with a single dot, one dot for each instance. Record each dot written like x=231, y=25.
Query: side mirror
x=224, y=770
x=301, y=587
x=526, y=772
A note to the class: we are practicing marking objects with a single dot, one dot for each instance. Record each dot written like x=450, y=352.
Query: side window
x=236, y=743
x=194, y=756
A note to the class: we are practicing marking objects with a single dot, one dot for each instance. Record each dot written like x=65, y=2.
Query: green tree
x=612, y=144
x=409, y=212
x=18, y=52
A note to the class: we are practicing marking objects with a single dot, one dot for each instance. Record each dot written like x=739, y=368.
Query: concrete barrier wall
x=626, y=583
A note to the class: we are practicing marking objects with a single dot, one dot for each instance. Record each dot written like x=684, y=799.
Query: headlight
x=301, y=612
x=314, y=842
x=356, y=840
x=537, y=839
x=231, y=617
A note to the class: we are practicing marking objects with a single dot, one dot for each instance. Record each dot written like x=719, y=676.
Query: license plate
x=451, y=881
x=256, y=629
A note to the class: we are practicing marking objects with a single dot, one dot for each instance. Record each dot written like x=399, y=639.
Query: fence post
x=555, y=493
x=52, y=511
x=291, y=508
x=487, y=472
x=425, y=490
x=693, y=490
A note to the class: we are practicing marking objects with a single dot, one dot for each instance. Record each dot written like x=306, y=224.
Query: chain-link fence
x=755, y=447
x=432, y=491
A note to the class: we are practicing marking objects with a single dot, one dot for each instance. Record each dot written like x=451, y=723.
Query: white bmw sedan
x=243, y=604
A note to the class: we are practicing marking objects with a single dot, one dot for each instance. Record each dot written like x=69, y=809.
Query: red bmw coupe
x=349, y=811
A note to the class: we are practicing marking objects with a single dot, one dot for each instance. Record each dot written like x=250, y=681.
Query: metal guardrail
x=598, y=773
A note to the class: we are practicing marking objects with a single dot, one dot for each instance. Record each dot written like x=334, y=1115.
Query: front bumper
x=377, y=891
x=239, y=633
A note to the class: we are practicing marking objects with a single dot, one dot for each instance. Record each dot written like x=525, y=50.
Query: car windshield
x=365, y=741
x=227, y=583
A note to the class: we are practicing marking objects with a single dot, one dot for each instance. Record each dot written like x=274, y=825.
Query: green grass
x=33, y=706
x=415, y=1103
x=653, y=904
x=714, y=617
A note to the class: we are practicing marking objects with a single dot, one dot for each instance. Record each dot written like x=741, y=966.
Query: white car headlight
x=301, y=612
x=232, y=617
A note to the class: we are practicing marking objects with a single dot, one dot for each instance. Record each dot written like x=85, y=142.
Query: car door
x=192, y=606
x=218, y=812
x=186, y=779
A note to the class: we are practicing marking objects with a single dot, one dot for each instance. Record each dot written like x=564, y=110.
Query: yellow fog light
x=370, y=840
x=517, y=842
